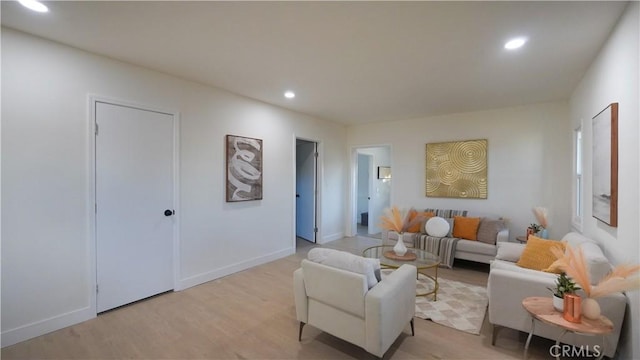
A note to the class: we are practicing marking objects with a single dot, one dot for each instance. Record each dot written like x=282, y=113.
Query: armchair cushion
x=347, y=261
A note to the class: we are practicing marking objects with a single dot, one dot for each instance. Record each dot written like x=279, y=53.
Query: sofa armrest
x=389, y=306
x=300, y=296
x=503, y=235
x=506, y=289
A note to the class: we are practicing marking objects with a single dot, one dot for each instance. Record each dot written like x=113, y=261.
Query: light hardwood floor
x=251, y=315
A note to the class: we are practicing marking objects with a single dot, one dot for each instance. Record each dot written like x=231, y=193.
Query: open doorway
x=365, y=163
x=372, y=193
x=306, y=189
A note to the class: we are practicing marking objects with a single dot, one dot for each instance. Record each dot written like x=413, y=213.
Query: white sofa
x=472, y=250
x=341, y=303
x=509, y=284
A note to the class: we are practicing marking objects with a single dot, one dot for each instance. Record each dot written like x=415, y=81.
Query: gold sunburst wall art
x=457, y=169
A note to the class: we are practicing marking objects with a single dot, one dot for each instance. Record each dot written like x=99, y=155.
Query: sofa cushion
x=437, y=226
x=347, y=261
x=574, y=239
x=489, y=229
x=509, y=251
x=477, y=247
x=537, y=254
x=511, y=266
x=466, y=227
x=597, y=263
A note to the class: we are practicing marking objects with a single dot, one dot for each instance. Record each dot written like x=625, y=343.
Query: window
x=577, y=179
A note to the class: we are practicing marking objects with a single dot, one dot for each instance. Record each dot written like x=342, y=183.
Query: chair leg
x=300, y=332
x=413, y=333
x=494, y=334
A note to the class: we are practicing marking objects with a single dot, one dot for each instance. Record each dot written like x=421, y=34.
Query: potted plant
x=533, y=229
x=564, y=285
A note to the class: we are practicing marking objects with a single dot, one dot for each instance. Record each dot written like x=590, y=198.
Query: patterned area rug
x=460, y=306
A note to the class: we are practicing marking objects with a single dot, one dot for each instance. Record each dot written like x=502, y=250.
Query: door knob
x=297, y=195
x=168, y=212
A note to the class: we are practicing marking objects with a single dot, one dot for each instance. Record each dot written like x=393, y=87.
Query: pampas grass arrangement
x=621, y=278
x=541, y=215
x=399, y=221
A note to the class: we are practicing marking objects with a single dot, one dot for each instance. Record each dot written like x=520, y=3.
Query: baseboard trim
x=332, y=237
x=230, y=269
x=29, y=331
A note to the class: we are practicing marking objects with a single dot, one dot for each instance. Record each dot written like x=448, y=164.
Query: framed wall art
x=244, y=168
x=457, y=169
x=605, y=165
x=384, y=172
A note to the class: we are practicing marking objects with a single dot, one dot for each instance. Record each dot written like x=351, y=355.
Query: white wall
x=529, y=161
x=47, y=273
x=614, y=77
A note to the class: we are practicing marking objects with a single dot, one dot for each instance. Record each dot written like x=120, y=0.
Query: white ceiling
x=351, y=62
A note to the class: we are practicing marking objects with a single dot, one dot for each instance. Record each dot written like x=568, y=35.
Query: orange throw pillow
x=537, y=254
x=415, y=228
x=466, y=227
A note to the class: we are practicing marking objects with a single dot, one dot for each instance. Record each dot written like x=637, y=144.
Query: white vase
x=590, y=309
x=400, y=249
x=558, y=303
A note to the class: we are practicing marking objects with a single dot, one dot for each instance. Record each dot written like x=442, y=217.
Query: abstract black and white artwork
x=244, y=168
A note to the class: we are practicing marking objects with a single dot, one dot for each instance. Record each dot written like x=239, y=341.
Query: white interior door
x=306, y=190
x=134, y=190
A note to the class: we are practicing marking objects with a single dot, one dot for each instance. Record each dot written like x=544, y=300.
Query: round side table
x=541, y=309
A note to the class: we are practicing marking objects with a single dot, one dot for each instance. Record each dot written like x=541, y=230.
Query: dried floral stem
x=541, y=216
x=621, y=278
x=396, y=220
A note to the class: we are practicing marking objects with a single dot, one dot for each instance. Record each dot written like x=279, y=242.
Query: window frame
x=577, y=204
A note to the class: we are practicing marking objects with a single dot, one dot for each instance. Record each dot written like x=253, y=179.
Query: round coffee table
x=424, y=260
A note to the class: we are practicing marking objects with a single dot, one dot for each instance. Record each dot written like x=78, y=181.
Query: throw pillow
x=347, y=261
x=537, y=254
x=426, y=216
x=450, y=221
x=489, y=229
x=466, y=227
x=437, y=226
x=417, y=227
x=509, y=251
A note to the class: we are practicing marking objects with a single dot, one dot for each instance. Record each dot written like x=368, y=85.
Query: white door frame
x=315, y=189
x=319, y=174
x=92, y=99
x=352, y=225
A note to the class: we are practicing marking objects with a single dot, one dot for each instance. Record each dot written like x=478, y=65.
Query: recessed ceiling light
x=289, y=94
x=515, y=43
x=34, y=5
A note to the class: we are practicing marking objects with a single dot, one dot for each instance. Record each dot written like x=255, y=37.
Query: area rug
x=460, y=306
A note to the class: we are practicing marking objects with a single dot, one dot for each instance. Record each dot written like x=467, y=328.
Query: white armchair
x=340, y=303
